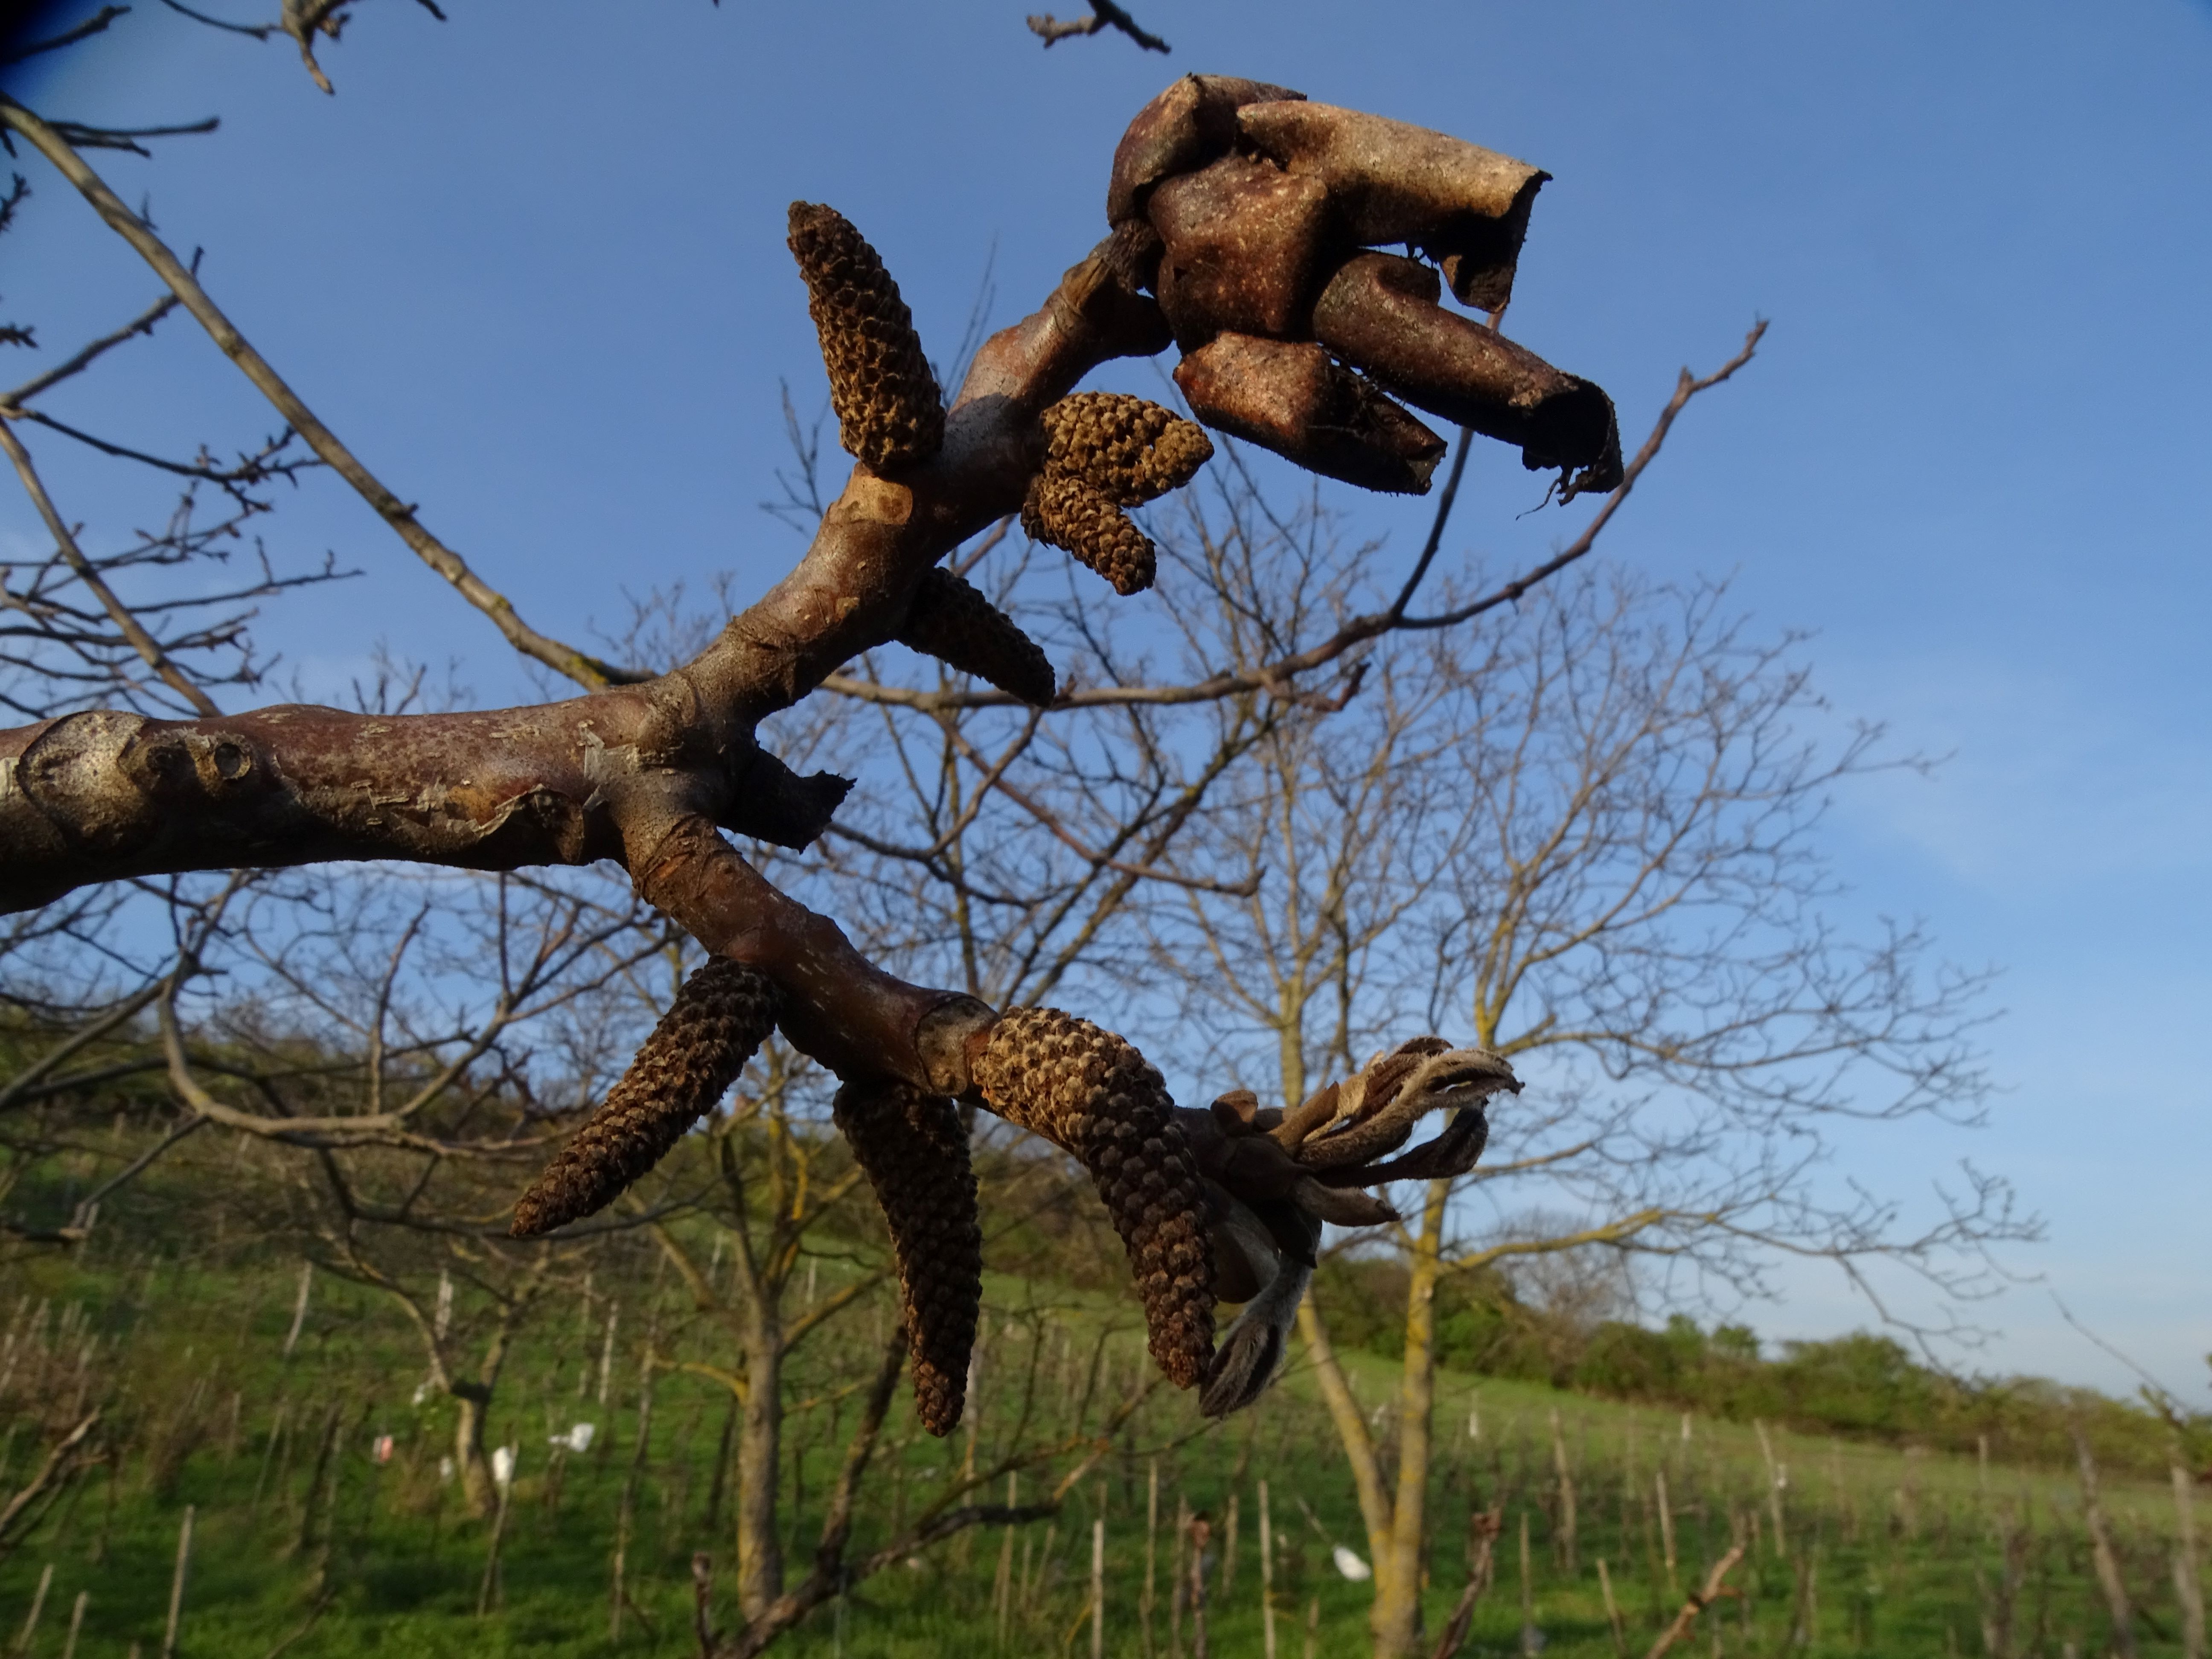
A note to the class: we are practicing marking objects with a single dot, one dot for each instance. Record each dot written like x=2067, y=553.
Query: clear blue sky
x=530, y=264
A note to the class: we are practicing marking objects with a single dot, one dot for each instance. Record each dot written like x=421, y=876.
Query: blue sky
x=530, y=264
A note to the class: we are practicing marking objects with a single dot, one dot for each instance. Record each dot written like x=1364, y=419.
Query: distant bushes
x=1864, y=1386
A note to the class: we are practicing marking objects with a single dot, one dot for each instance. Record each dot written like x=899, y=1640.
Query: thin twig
x=1714, y=1589
x=142, y=324
x=586, y=670
x=1104, y=15
x=258, y=31
x=141, y=642
x=1275, y=677
x=92, y=25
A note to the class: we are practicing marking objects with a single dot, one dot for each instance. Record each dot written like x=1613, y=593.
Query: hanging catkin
x=952, y=622
x=724, y=1012
x=914, y=1153
x=1089, y=1093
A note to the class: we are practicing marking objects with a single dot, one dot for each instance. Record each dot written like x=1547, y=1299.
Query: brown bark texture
x=1244, y=222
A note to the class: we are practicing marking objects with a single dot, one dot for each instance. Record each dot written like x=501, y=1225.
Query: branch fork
x=1246, y=225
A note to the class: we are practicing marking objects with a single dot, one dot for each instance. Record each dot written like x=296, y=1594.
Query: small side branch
x=1714, y=1589
x=143, y=643
x=92, y=25
x=52, y=143
x=1104, y=15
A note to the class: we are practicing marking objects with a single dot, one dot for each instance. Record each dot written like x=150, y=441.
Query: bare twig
x=1104, y=15
x=142, y=324
x=131, y=629
x=1275, y=676
x=586, y=670
x=1714, y=1589
x=56, y=1467
x=256, y=30
x=92, y=25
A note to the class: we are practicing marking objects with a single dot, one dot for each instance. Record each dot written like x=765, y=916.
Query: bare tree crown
x=1247, y=230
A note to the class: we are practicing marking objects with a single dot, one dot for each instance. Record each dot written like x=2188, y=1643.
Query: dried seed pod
x=724, y=1012
x=1378, y=1108
x=914, y=1153
x=1090, y=1093
x=1066, y=512
x=952, y=622
x=889, y=411
x=1126, y=449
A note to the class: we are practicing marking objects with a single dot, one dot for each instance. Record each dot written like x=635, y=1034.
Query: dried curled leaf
x=1376, y=1109
x=952, y=622
x=1126, y=449
x=723, y=1015
x=911, y=1146
x=1090, y=1093
x=1064, y=511
x=889, y=411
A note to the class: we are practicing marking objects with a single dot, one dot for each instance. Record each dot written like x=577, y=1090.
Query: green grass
x=1892, y=1541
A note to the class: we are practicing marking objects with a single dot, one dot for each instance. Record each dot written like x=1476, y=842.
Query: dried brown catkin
x=888, y=412
x=912, y=1148
x=952, y=622
x=1090, y=1092
x=1064, y=511
x=1128, y=450
x=724, y=1012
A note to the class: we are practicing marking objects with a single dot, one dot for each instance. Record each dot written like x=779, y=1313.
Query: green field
x=1882, y=1551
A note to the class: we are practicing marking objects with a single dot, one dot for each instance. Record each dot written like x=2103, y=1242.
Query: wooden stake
x=1528, y=1635
x=298, y=1308
x=1228, y=1548
x=37, y=1606
x=1098, y=1587
x=1667, y=1526
x=177, y=1585
x=624, y=1514
x=1151, y=1548
x=1180, y=1592
x=1003, y=1590
x=2188, y=1588
x=2101, y=1552
x=491, y=1555
x=1567, y=1544
x=1775, y=1474
x=1611, y=1610
x=607, y=1352
x=1267, y=1579
x=77, y=1624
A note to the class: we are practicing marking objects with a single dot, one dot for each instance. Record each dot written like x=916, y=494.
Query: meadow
x=325, y=1518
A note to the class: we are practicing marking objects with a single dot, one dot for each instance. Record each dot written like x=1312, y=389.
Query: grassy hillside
x=1881, y=1549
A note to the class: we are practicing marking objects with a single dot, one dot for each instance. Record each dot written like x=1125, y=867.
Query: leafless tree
x=1588, y=840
